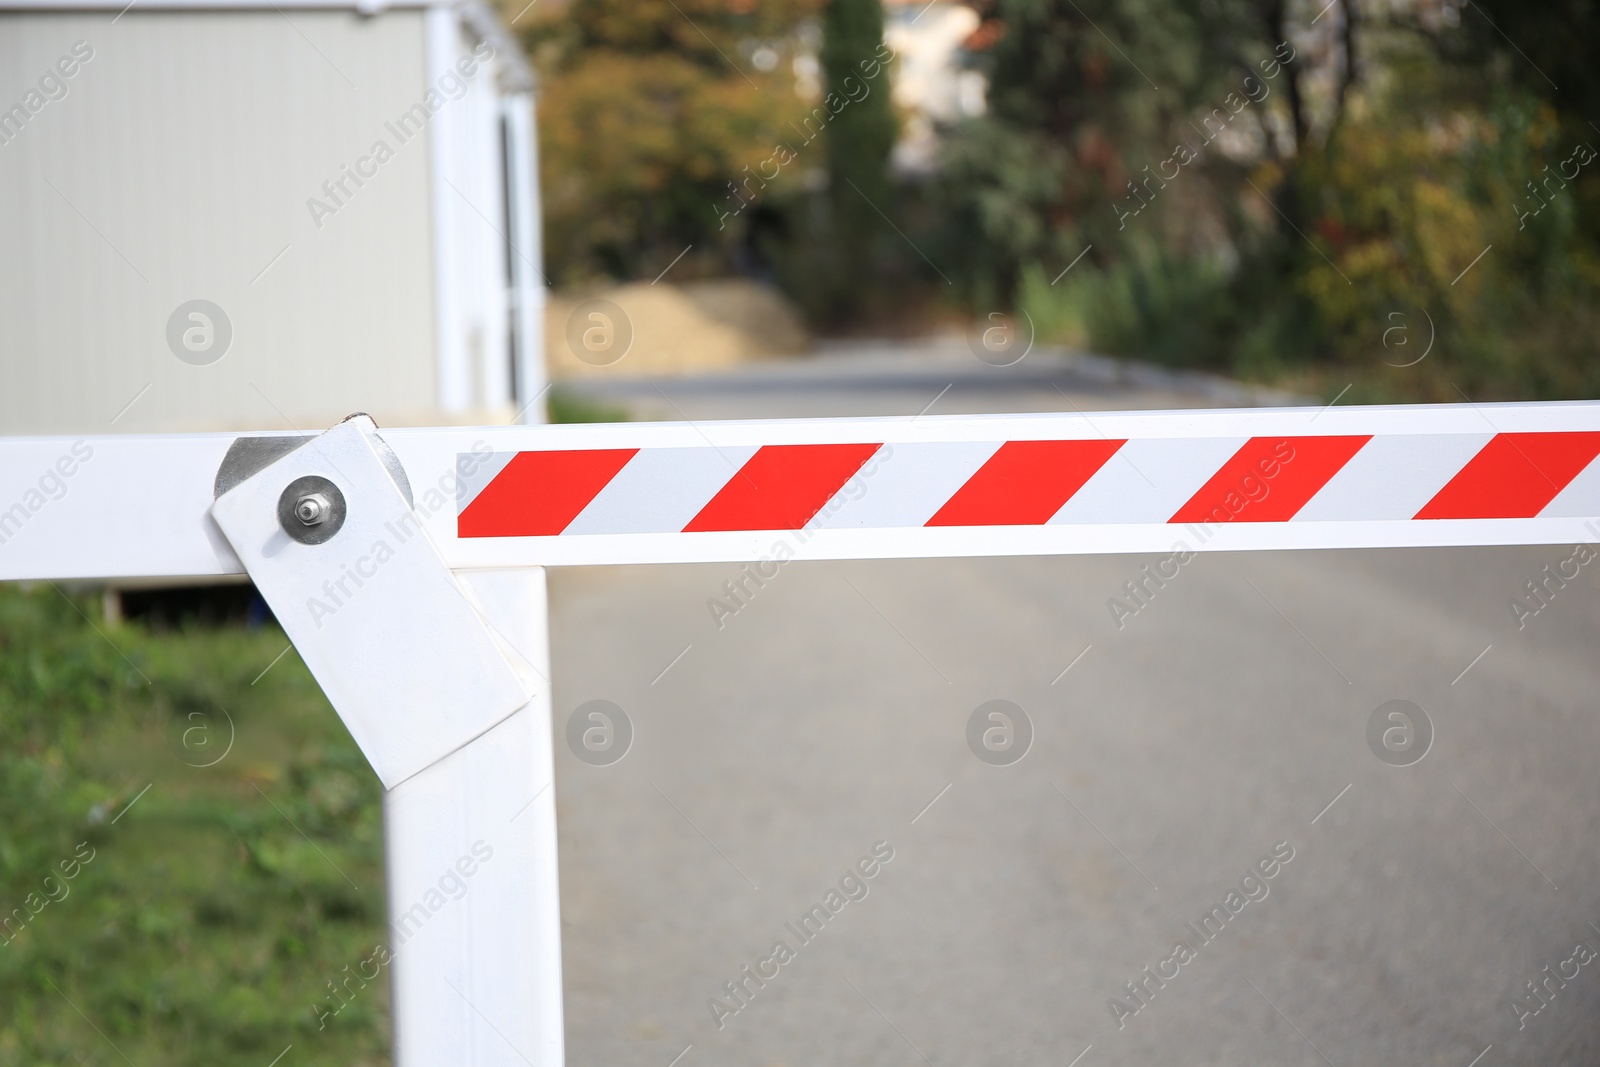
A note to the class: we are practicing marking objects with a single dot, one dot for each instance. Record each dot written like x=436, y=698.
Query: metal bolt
x=312, y=509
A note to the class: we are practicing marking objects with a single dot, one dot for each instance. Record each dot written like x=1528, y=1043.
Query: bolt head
x=312, y=509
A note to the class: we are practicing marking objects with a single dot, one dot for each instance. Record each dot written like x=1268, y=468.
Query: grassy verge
x=188, y=853
x=565, y=406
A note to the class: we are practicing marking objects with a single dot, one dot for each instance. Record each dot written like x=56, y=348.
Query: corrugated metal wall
x=178, y=166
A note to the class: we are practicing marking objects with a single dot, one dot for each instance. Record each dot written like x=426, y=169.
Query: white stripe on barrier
x=472, y=480
x=906, y=487
x=660, y=489
x=1393, y=477
x=1147, y=481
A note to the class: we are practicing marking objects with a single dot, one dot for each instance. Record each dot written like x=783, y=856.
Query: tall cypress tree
x=861, y=134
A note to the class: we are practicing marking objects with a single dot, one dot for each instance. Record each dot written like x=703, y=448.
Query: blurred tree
x=1546, y=48
x=1504, y=50
x=1081, y=95
x=1372, y=151
x=861, y=133
x=654, y=115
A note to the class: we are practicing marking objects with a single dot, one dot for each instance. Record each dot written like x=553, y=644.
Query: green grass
x=565, y=406
x=207, y=923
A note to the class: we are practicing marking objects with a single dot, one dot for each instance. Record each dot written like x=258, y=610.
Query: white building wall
x=179, y=165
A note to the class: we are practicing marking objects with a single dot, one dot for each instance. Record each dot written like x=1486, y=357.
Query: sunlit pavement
x=937, y=377
x=1174, y=761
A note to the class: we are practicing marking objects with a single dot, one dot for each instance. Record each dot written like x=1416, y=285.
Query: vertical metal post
x=473, y=893
x=527, y=271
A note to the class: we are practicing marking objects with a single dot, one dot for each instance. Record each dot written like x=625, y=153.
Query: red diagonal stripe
x=1024, y=483
x=538, y=494
x=1269, y=479
x=781, y=487
x=1514, y=476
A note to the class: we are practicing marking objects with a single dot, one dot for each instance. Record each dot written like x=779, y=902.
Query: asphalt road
x=1170, y=758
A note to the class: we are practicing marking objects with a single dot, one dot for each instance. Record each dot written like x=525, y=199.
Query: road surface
x=1033, y=911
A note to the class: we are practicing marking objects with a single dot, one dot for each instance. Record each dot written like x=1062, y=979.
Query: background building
x=238, y=215
x=935, y=84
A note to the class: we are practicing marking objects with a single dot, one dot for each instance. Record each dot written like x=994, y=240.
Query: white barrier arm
x=111, y=507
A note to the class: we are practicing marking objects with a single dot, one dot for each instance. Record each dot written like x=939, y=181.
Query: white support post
x=527, y=270
x=443, y=680
x=478, y=980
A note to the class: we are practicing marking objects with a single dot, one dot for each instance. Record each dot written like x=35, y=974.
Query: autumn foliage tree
x=650, y=113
